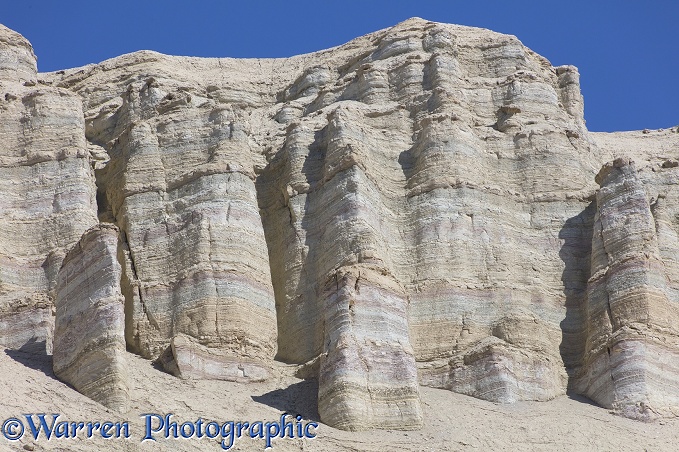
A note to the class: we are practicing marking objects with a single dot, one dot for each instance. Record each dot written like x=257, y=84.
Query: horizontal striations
x=17, y=60
x=89, y=338
x=368, y=377
x=490, y=184
x=47, y=193
x=180, y=183
x=631, y=360
x=415, y=207
x=438, y=162
x=191, y=360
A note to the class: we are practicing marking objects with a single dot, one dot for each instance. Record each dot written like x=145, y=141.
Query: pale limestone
x=415, y=206
x=631, y=363
x=47, y=193
x=89, y=333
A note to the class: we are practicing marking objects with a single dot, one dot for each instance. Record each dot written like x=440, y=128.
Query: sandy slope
x=453, y=421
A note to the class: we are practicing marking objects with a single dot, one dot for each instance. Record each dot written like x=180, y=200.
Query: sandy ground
x=453, y=421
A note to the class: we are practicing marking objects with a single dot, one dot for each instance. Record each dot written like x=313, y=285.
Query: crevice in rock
x=575, y=253
x=131, y=289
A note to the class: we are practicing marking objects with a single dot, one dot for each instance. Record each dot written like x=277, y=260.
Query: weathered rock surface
x=367, y=380
x=415, y=206
x=191, y=360
x=47, y=192
x=89, y=334
x=632, y=354
x=17, y=60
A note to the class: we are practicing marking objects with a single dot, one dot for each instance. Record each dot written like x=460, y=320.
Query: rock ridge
x=423, y=205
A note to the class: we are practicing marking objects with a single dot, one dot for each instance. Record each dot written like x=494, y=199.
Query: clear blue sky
x=627, y=50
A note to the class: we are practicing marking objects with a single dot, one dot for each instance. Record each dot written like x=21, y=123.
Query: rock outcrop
x=191, y=360
x=47, y=192
x=632, y=355
x=416, y=207
x=89, y=334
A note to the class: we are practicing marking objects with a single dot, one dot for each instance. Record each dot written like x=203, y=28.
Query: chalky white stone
x=416, y=207
x=89, y=333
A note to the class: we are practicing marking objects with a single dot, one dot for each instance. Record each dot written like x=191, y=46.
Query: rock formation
x=47, y=192
x=191, y=360
x=89, y=333
x=632, y=359
x=415, y=207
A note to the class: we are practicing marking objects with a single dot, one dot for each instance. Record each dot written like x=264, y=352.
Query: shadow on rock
x=33, y=354
x=575, y=252
x=297, y=399
x=582, y=399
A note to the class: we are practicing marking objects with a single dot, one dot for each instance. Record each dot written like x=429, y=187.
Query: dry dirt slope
x=452, y=422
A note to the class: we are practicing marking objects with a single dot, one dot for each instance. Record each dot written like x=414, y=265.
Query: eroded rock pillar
x=631, y=361
x=89, y=336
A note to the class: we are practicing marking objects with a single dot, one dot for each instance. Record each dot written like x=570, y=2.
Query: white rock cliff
x=419, y=206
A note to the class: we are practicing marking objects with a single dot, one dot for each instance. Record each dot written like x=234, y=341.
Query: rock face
x=47, y=192
x=368, y=375
x=197, y=261
x=89, y=335
x=191, y=360
x=17, y=60
x=632, y=357
x=415, y=207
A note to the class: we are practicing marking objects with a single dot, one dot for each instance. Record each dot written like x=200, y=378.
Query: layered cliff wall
x=415, y=207
x=47, y=192
x=631, y=359
x=89, y=330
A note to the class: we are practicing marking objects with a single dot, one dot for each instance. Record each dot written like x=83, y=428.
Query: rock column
x=631, y=362
x=89, y=336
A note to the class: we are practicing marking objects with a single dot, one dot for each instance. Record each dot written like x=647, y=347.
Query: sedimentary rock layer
x=368, y=376
x=89, y=336
x=449, y=166
x=433, y=158
x=47, y=192
x=415, y=206
x=191, y=360
x=631, y=362
x=17, y=60
x=181, y=188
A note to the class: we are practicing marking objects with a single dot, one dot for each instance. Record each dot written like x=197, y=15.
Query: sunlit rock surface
x=415, y=207
x=89, y=334
x=631, y=359
x=47, y=192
